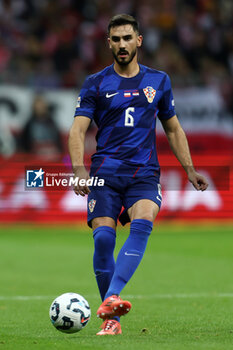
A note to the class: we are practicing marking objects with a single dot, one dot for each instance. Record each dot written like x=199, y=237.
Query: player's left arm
x=179, y=145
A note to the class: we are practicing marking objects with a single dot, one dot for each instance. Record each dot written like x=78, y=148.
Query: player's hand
x=198, y=181
x=81, y=173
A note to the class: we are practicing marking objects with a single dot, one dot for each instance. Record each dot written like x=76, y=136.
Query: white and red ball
x=70, y=312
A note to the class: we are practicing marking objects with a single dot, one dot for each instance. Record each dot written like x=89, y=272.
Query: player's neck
x=129, y=71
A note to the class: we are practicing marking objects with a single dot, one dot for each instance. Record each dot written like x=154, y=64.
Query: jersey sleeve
x=86, y=102
x=166, y=105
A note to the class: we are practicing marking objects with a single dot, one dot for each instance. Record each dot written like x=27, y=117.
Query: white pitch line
x=181, y=296
x=26, y=297
x=127, y=296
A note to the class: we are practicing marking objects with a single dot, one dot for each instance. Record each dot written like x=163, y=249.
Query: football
x=70, y=313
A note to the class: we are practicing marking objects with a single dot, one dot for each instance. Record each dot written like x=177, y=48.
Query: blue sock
x=103, y=260
x=130, y=255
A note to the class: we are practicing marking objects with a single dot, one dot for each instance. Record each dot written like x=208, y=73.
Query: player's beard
x=124, y=61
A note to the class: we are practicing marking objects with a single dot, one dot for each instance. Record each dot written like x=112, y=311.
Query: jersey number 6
x=129, y=120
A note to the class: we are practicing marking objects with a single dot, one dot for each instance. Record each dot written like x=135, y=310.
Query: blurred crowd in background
x=56, y=43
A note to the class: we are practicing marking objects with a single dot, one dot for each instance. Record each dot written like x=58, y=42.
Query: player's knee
x=144, y=216
x=149, y=217
x=103, y=221
x=144, y=209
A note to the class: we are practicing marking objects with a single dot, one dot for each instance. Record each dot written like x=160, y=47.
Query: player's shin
x=103, y=260
x=130, y=255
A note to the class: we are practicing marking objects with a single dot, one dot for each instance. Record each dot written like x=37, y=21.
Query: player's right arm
x=76, y=149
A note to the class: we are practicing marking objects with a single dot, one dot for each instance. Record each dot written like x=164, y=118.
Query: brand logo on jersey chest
x=108, y=95
x=149, y=93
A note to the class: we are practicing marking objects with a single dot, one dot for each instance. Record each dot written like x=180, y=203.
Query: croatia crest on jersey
x=149, y=93
x=91, y=205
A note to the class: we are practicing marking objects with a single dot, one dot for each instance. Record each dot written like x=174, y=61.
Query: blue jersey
x=125, y=111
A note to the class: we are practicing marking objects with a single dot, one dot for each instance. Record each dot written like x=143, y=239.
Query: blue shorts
x=118, y=192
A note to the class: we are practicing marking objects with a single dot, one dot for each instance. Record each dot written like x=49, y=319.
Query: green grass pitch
x=181, y=294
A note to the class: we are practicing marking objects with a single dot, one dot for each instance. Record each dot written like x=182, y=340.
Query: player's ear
x=139, y=40
x=109, y=43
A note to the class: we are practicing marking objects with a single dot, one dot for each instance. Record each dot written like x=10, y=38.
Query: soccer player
x=125, y=100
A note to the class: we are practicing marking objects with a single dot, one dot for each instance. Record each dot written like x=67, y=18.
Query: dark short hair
x=122, y=19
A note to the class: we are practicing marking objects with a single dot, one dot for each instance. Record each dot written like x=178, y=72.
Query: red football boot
x=113, y=306
x=110, y=327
